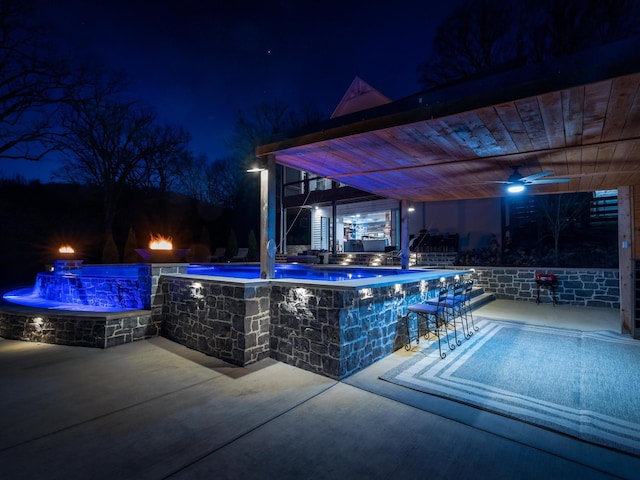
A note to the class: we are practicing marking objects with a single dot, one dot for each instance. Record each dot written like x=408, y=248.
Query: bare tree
x=224, y=182
x=482, y=36
x=560, y=212
x=554, y=28
x=615, y=20
x=265, y=122
x=474, y=39
x=33, y=81
x=192, y=179
x=160, y=168
x=218, y=182
x=112, y=142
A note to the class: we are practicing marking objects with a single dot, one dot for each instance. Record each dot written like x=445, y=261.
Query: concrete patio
x=155, y=409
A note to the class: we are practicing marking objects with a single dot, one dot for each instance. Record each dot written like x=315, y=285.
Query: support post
x=334, y=220
x=628, y=196
x=282, y=244
x=404, y=234
x=268, y=245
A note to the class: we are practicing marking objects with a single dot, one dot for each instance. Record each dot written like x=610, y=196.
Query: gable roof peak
x=359, y=96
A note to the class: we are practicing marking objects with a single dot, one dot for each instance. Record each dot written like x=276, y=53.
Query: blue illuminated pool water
x=297, y=272
x=89, y=288
x=110, y=288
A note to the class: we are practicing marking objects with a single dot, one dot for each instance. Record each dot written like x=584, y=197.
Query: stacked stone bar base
x=226, y=320
x=339, y=332
x=331, y=330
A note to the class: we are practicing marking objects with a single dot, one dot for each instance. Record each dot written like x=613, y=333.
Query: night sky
x=200, y=62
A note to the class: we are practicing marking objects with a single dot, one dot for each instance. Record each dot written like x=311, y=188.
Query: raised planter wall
x=586, y=287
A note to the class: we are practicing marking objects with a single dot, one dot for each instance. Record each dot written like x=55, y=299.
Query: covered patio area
x=576, y=119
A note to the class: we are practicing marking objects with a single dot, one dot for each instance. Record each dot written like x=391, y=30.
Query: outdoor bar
x=331, y=328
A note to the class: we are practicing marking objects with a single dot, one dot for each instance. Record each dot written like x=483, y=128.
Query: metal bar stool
x=452, y=308
x=431, y=310
x=456, y=309
x=456, y=306
x=468, y=287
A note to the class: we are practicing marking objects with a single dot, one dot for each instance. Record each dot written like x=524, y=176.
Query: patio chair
x=431, y=311
x=241, y=256
x=218, y=255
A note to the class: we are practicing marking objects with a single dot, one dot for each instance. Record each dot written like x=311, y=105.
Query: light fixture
x=257, y=165
x=515, y=188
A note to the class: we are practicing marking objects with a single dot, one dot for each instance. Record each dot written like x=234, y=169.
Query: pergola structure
x=578, y=117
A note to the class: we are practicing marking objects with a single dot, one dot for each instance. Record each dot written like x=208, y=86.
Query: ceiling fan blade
x=549, y=180
x=504, y=182
x=535, y=176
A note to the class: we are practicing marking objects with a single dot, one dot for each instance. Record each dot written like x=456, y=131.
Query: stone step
x=479, y=298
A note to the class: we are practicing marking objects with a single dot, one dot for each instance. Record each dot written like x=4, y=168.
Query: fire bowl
x=162, y=256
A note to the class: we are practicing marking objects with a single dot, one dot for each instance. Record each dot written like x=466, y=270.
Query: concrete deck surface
x=154, y=409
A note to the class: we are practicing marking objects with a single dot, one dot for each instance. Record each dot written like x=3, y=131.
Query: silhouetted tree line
x=107, y=140
x=482, y=36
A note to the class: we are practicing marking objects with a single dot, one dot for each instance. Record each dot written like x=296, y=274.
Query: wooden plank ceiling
x=588, y=133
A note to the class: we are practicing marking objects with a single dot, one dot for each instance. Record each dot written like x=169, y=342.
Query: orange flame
x=66, y=249
x=159, y=242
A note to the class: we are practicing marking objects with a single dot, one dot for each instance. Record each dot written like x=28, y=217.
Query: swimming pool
x=297, y=272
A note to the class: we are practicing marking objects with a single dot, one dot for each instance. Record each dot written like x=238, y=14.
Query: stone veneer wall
x=332, y=331
x=229, y=321
x=586, y=287
x=151, y=284
x=339, y=332
x=97, y=331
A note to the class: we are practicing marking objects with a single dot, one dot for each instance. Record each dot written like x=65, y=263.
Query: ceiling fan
x=517, y=182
